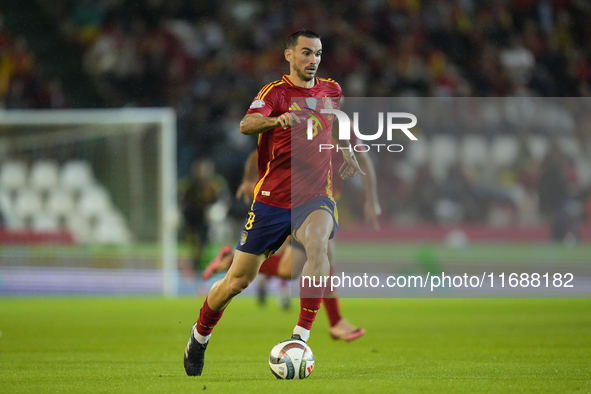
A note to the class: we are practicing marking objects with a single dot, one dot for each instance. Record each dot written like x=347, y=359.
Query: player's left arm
x=372, y=208
x=249, y=179
x=350, y=165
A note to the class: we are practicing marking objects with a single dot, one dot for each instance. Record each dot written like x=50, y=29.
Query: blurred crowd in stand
x=158, y=52
x=527, y=191
x=23, y=84
x=208, y=60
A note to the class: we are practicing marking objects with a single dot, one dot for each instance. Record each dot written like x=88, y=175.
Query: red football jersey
x=291, y=168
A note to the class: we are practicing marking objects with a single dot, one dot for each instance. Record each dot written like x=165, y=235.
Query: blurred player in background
x=289, y=200
x=281, y=264
x=197, y=193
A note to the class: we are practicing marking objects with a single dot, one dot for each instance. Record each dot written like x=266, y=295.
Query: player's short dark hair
x=293, y=39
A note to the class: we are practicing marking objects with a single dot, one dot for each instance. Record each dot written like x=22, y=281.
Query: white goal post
x=108, y=121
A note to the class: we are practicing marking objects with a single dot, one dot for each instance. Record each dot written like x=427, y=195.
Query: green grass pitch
x=135, y=345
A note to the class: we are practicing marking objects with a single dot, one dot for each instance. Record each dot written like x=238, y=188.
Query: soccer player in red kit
x=280, y=264
x=288, y=200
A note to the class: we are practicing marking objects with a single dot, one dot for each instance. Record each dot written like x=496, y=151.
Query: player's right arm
x=256, y=123
x=268, y=102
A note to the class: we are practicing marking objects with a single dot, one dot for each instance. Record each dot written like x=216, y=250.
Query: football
x=291, y=359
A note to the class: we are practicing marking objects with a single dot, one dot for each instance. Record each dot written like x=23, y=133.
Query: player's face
x=305, y=58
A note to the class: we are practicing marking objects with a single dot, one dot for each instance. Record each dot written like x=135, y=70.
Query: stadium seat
x=13, y=175
x=110, y=228
x=473, y=151
x=44, y=175
x=570, y=146
x=406, y=171
x=583, y=166
x=76, y=174
x=442, y=152
x=94, y=201
x=79, y=226
x=417, y=152
x=59, y=202
x=14, y=222
x=5, y=202
x=503, y=150
x=44, y=222
x=28, y=202
x=538, y=146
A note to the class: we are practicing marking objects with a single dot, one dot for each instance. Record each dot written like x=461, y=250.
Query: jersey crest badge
x=243, y=237
x=328, y=103
x=258, y=103
x=311, y=101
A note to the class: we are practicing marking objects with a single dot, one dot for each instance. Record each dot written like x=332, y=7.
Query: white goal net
x=88, y=201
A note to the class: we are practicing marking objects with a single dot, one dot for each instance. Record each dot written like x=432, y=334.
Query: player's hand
x=349, y=167
x=288, y=119
x=371, y=211
x=245, y=191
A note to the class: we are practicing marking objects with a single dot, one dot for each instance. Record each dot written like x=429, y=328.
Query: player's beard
x=303, y=76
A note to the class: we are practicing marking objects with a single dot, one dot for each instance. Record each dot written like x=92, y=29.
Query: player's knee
x=237, y=285
x=316, y=249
